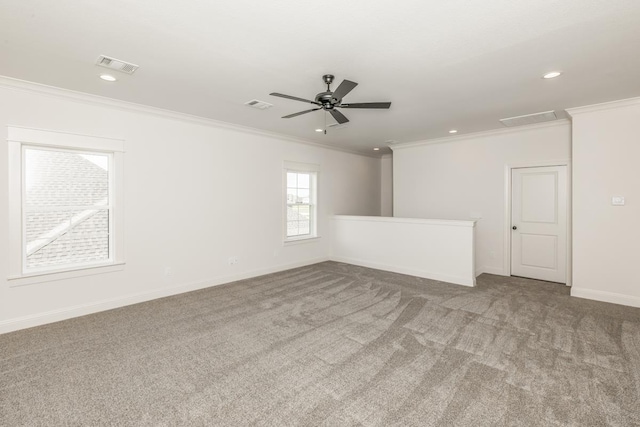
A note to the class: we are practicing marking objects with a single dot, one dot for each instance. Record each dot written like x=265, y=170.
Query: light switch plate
x=617, y=200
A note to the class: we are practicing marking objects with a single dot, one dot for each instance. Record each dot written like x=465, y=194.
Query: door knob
x=514, y=227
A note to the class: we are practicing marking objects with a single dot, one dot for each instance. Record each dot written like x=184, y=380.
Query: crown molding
x=86, y=98
x=629, y=102
x=494, y=132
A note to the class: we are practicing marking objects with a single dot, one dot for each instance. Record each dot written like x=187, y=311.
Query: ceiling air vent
x=116, y=64
x=260, y=105
x=529, y=119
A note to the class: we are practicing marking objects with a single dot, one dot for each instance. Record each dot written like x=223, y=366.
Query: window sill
x=50, y=276
x=301, y=240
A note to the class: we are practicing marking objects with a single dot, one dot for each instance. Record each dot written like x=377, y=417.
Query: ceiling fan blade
x=340, y=118
x=345, y=87
x=295, y=98
x=367, y=105
x=300, y=113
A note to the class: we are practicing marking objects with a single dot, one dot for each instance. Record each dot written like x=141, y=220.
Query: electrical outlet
x=167, y=272
x=233, y=260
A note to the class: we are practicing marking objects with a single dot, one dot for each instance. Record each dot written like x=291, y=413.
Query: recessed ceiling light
x=376, y=149
x=453, y=131
x=108, y=77
x=552, y=74
x=318, y=130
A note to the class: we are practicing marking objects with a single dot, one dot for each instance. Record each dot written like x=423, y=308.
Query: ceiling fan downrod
x=328, y=79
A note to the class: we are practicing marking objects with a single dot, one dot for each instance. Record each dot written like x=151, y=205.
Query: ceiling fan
x=329, y=101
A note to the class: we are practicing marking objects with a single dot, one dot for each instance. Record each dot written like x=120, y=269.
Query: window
x=66, y=208
x=300, y=202
x=64, y=201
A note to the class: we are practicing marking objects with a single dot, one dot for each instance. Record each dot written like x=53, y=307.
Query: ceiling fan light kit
x=329, y=101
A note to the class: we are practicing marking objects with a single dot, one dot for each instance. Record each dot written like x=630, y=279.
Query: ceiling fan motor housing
x=326, y=99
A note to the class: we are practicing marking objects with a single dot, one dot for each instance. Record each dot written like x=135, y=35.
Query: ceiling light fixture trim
x=552, y=75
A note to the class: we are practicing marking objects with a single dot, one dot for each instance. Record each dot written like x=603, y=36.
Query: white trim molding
x=24, y=322
x=301, y=167
x=603, y=106
x=604, y=296
x=456, y=280
x=397, y=220
x=474, y=135
x=55, y=138
x=34, y=278
x=313, y=171
x=19, y=138
x=86, y=98
x=489, y=270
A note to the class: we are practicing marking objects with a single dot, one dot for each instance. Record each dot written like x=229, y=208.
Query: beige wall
x=386, y=185
x=606, y=238
x=194, y=195
x=464, y=176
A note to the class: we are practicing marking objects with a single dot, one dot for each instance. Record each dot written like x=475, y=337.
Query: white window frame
x=19, y=139
x=313, y=170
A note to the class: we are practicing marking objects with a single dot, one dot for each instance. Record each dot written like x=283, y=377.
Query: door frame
x=506, y=266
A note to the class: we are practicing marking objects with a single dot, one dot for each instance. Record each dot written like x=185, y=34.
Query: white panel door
x=539, y=223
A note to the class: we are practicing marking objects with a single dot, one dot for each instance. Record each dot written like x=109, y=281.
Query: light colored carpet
x=333, y=345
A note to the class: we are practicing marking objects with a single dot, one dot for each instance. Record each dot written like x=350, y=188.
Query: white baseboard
x=490, y=270
x=494, y=270
x=622, y=299
x=465, y=281
x=38, y=319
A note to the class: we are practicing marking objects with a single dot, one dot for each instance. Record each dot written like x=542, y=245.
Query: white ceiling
x=444, y=64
